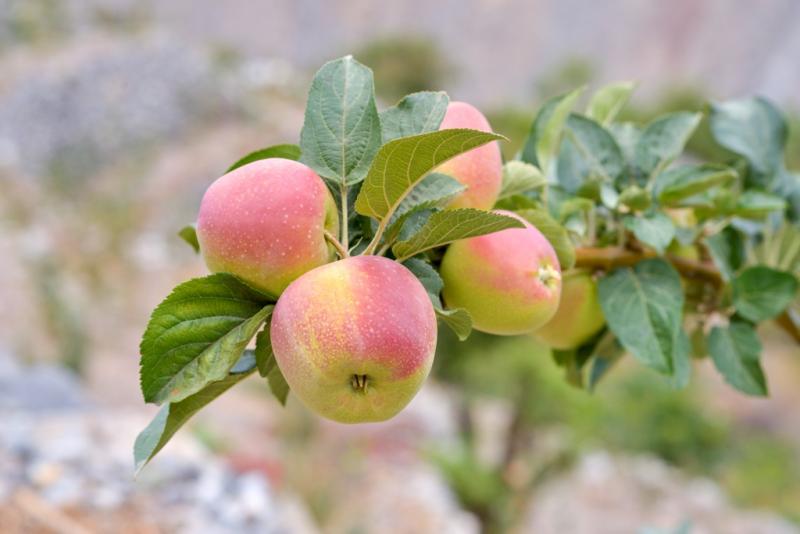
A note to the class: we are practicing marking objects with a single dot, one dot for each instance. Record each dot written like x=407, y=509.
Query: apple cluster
x=355, y=336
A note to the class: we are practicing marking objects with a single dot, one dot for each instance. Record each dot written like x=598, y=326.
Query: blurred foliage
x=36, y=21
x=566, y=76
x=514, y=122
x=62, y=320
x=479, y=488
x=764, y=472
x=132, y=19
x=47, y=22
x=642, y=414
x=702, y=144
x=632, y=412
x=405, y=64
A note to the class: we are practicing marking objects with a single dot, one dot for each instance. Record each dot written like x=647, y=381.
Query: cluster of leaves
x=378, y=167
x=675, y=243
x=605, y=194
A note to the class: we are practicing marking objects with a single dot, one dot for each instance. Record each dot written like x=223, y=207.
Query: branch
x=612, y=257
x=788, y=325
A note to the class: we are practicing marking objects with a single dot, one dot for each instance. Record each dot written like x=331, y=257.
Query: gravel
x=73, y=455
x=605, y=494
x=98, y=101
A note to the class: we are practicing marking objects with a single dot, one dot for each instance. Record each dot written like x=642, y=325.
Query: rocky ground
x=66, y=466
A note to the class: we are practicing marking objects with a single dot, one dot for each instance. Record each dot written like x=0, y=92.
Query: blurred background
x=115, y=115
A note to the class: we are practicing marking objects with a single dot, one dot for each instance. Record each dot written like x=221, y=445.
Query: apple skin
x=579, y=316
x=480, y=169
x=264, y=222
x=509, y=281
x=361, y=316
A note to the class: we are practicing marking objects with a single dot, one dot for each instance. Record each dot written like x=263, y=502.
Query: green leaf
x=609, y=196
x=407, y=225
x=568, y=206
x=574, y=360
x=635, y=198
x=681, y=361
x=172, y=416
x=736, y=351
x=543, y=140
x=787, y=185
x=416, y=113
x=428, y=277
x=780, y=249
x=265, y=358
x=447, y=226
x=606, y=353
x=555, y=233
x=278, y=151
x=608, y=101
x=268, y=367
x=434, y=191
x=196, y=335
x=761, y=293
x=653, y=229
x=663, y=140
x=519, y=177
x=402, y=163
x=572, y=170
x=676, y=184
x=643, y=307
x=597, y=150
x=627, y=135
x=189, y=234
x=341, y=132
x=727, y=251
x=752, y=128
x=518, y=202
x=278, y=385
x=457, y=319
x=757, y=204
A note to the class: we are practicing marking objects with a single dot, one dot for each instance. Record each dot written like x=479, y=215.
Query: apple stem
x=377, y=238
x=340, y=249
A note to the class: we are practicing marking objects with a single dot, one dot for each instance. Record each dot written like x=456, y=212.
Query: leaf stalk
x=340, y=249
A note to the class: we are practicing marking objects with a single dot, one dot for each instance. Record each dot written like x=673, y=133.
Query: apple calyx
x=549, y=276
x=359, y=383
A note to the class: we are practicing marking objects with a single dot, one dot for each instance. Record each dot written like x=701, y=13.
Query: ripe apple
x=355, y=338
x=265, y=223
x=480, y=169
x=579, y=316
x=509, y=281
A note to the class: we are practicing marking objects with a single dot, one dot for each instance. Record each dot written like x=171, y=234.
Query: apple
x=480, y=169
x=579, y=316
x=355, y=339
x=265, y=222
x=509, y=281
x=686, y=252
